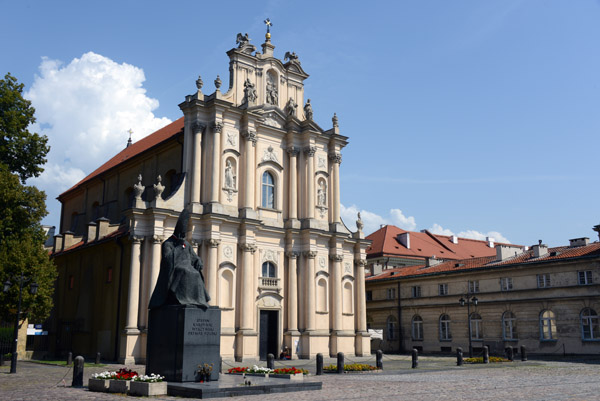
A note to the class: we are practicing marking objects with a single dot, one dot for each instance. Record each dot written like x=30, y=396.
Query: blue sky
x=472, y=117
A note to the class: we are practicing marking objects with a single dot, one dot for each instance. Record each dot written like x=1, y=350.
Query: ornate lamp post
x=33, y=290
x=469, y=299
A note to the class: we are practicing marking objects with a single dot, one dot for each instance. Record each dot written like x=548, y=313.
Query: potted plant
x=148, y=385
x=204, y=372
x=100, y=381
x=121, y=381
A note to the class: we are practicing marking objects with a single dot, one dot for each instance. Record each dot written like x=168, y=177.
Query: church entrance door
x=268, y=333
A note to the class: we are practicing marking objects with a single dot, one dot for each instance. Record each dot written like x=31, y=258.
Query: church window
x=590, y=326
x=268, y=270
x=417, y=327
x=268, y=190
x=547, y=326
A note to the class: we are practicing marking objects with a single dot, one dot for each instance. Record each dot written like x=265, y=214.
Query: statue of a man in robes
x=180, y=281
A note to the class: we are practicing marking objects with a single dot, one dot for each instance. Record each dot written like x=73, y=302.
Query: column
x=216, y=162
x=155, y=267
x=293, y=187
x=292, y=295
x=196, y=172
x=213, y=246
x=250, y=136
x=310, y=181
x=336, y=159
x=134, y=286
x=361, y=306
x=336, y=290
x=247, y=299
x=310, y=314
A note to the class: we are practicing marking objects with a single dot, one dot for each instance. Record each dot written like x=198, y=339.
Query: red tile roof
x=554, y=254
x=133, y=150
x=425, y=244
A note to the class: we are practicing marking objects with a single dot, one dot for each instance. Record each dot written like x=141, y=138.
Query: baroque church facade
x=261, y=180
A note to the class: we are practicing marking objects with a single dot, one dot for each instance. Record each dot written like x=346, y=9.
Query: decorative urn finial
x=199, y=82
x=334, y=119
x=218, y=82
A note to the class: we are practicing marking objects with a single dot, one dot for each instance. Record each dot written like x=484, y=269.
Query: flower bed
x=290, y=371
x=493, y=359
x=354, y=367
x=126, y=380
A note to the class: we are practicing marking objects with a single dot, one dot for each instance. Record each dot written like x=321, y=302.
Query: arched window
x=590, y=327
x=417, y=327
x=347, y=298
x=268, y=190
x=268, y=270
x=509, y=326
x=445, y=334
x=226, y=289
x=547, y=325
x=322, y=295
x=392, y=328
x=476, y=327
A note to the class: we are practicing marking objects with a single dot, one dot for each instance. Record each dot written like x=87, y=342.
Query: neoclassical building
x=261, y=179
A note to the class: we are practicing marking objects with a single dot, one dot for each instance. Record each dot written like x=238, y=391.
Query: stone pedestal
x=180, y=338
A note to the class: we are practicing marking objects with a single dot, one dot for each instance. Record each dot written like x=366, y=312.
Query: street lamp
x=470, y=299
x=32, y=290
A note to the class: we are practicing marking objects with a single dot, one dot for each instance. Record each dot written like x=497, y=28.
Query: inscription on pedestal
x=202, y=327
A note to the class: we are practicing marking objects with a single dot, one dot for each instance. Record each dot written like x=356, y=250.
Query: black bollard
x=459, y=356
x=415, y=358
x=319, y=364
x=97, y=358
x=340, y=362
x=270, y=361
x=69, y=359
x=486, y=354
x=510, y=354
x=379, y=359
x=78, y=372
x=523, y=353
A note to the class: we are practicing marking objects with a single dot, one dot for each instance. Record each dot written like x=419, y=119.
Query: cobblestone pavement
x=437, y=378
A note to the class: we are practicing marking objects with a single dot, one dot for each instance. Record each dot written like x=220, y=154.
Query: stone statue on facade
x=249, y=91
x=138, y=189
x=243, y=42
x=308, y=111
x=292, y=57
x=321, y=195
x=180, y=281
x=291, y=107
x=359, y=223
x=272, y=96
x=229, y=176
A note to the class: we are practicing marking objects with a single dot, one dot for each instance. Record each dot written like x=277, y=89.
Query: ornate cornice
x=217, y=127
x=293, y=151
x=335, y=158
x=248, y=248
x=250, y=136
x=310, y=151
x=292, y=254
x=310, y=254
x=213, y=243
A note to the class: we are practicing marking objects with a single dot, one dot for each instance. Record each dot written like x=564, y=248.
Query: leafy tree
x=22, y=151
x=22, y=208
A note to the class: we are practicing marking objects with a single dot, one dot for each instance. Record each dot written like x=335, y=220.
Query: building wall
x=565, y=298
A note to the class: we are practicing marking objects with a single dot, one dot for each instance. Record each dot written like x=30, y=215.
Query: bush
x=354, y=367
x=493, y=359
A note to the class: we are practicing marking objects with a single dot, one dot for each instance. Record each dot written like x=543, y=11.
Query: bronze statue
x=180, y=281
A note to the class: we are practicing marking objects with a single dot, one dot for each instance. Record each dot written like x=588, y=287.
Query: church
x=262, y=182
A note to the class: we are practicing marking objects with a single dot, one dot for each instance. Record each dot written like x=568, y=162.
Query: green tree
x=22, y=207
x=22, y=151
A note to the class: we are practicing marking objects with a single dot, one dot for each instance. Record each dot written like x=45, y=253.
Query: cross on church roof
x=269, y=24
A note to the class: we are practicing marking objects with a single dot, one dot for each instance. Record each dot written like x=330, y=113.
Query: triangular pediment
x=274, y=117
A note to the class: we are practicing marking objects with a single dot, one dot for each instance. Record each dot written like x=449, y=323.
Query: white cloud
x=373, y=221
x=400, y=220
x=471, y=234
x=86, y=108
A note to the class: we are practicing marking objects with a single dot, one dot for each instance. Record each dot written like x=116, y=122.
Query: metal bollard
x=78, y=372
x=340, y=362
x=379, y=359
x=486, y=354
x=510, y=354
x=319, y=364
x=523, y=353
x=459, y=356
x=69, y=359
x=97, y=358
x=270, y=361
x=415, y=358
